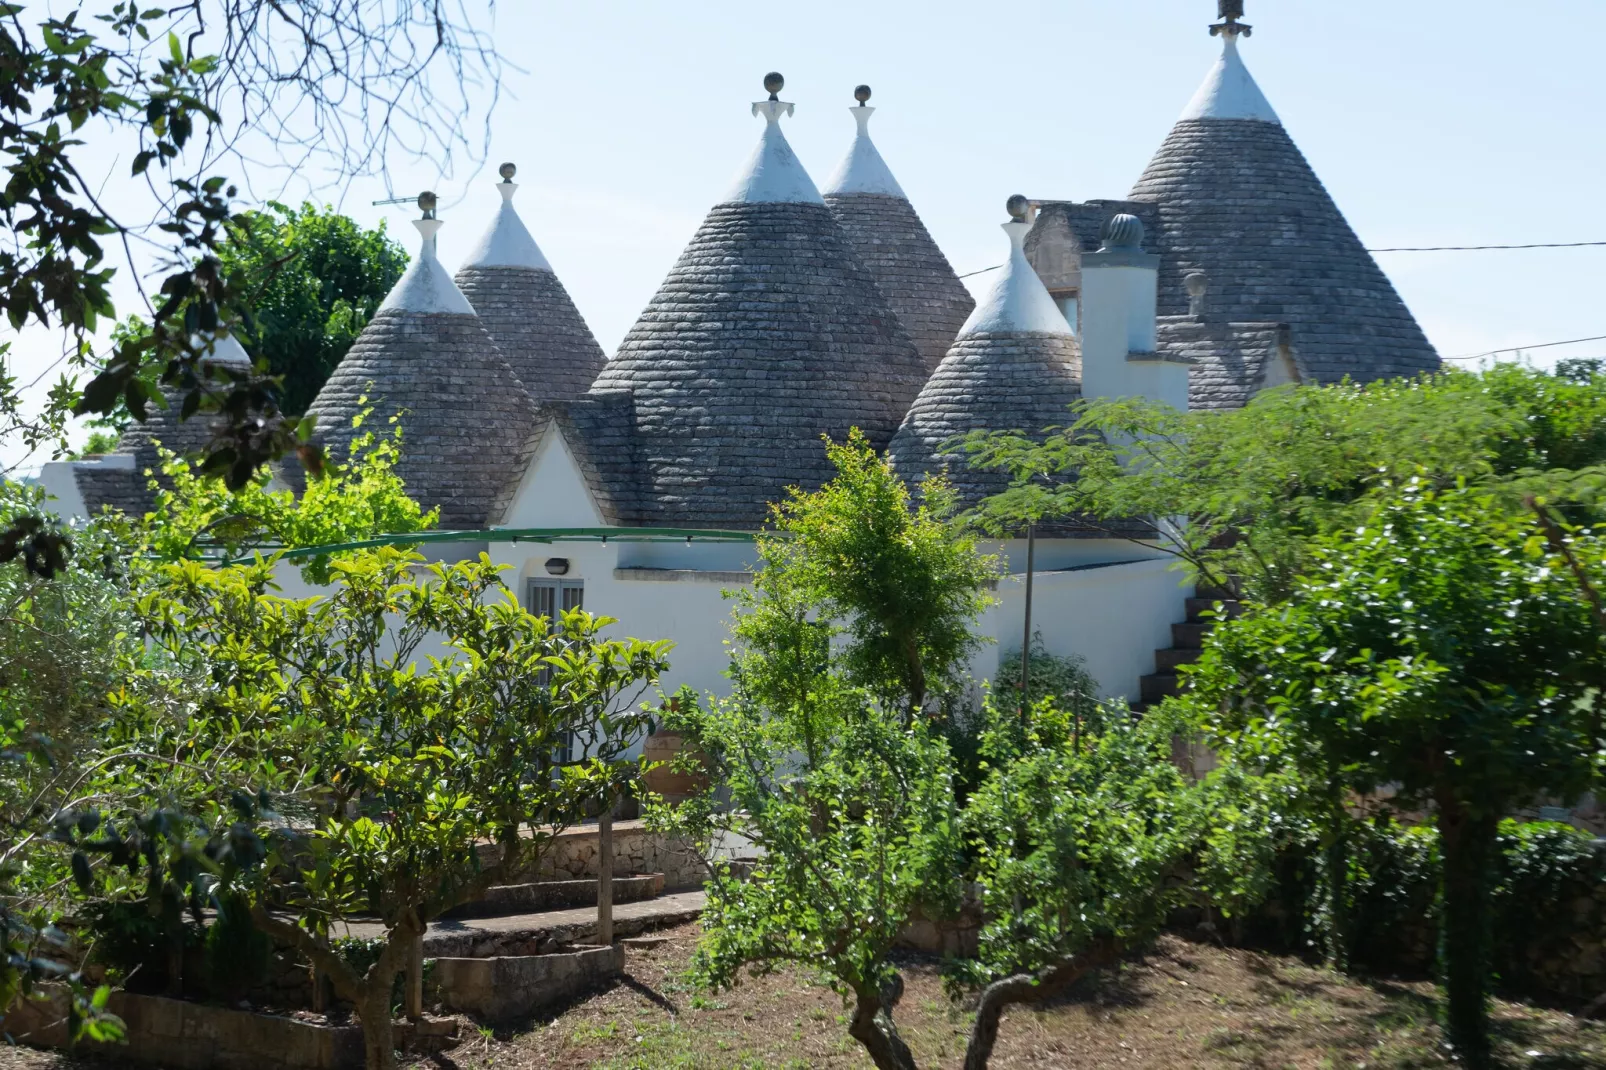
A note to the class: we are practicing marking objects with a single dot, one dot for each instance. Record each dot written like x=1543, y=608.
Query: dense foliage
x=1545, y=902
x=1257, y=483
x=352, y=753
x=358, y=498
x=1441, y=649
x=1082, y=831
x=1071, y=828
x=314, y=278
x=893, y=583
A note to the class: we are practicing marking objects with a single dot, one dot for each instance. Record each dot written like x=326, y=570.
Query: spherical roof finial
x=1197, y=283
x=426, y=204
x=773, y=84
x=1123, y=232
x=1017, y=207
x=861, y=93
x=507, y=171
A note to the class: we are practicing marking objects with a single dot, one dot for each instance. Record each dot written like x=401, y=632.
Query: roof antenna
x=1230, y=11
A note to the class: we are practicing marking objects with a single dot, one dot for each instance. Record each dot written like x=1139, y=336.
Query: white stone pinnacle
x=864, y=171
x=1019, y=302
x=1229, y=91
x=773, y=174
x=425, y=286
x=507, y=242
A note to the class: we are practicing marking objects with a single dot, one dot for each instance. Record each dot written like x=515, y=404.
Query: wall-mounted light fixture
x=557, y=566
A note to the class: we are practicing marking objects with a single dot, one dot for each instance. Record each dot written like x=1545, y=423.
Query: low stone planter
x=511, y=987
x=504, y=899
x=179, y=1035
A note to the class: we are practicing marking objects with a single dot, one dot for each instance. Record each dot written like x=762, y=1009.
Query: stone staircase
x=1187, y=642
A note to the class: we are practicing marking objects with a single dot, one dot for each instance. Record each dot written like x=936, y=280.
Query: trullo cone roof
x=1014, y=366
x=129, y=490
x=767, y=334
x=523, y=305
x=890, y=239
x=465, y=416
x=1237, y=200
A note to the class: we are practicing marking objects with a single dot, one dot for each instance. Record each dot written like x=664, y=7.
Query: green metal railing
x=508, y=535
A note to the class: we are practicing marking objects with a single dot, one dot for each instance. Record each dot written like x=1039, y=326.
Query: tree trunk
x=378, y=1033
x=1340, y=940
x=1467, y=843
x=872, y=1027
x=413, y=985
x=1029, y=988
x=369, y=993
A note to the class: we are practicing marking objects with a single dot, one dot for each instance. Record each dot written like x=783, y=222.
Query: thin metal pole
x=1026, y=639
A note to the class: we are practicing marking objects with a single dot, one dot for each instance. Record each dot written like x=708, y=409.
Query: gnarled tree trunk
x=1029, y=988
x=872, y=1027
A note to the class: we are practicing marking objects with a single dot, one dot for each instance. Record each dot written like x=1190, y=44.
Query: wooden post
x=413, y=987
x=605, y=873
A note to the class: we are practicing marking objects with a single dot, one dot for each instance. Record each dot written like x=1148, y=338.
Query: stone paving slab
x=533, y=934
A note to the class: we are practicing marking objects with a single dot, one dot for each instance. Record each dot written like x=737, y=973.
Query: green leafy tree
x=1439, y=647
x=132, y=74
x=314, y=278
x=1257, y=484
x=356, y=499
x=395, y=767
x=862, y=612
x=1081, y=833
x=896, y=583
x=853, y=838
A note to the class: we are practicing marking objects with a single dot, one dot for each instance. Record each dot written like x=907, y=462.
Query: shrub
x=1545, y=902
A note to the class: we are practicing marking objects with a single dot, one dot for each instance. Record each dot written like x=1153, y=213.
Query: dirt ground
x=1181, y=1005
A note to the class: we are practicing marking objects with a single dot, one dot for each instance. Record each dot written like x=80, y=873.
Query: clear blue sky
x=1433, y=122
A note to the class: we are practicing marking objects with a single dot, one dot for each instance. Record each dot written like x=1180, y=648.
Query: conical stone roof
x=466, y=419
x=767, y=334
x=1014, y=366
x=1236, y=200
x=523, y=305
x=890, y=239
x=129, y=490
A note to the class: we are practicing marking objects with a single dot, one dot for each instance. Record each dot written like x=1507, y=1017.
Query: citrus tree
x=1080, y=832
x=385, y=750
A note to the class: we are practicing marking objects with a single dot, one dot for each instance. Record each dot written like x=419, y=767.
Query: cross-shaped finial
x=1230, y=11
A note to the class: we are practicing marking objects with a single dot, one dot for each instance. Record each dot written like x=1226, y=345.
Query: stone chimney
x=1119, y=295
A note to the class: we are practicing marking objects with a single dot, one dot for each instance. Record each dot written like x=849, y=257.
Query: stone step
x=1204, y=609
x=1205, y=590
x=1167, y=660
x=1190, y=635
x=1156, y=686
x=538, y=934
x=501, y=900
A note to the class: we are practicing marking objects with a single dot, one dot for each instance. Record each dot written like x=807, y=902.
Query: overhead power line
x=1475, y=248
x=1524, y=349
x=1420, y=249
